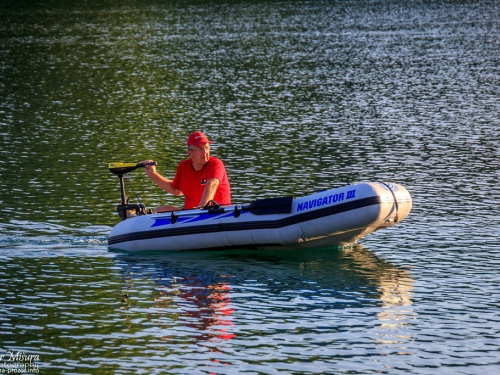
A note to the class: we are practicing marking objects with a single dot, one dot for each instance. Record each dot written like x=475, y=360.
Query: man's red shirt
x=192, y=183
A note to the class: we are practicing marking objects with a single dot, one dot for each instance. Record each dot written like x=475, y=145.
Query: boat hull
x=336, y=217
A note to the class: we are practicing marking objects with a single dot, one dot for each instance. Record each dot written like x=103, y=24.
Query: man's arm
x=209, y=192
x=159, y=180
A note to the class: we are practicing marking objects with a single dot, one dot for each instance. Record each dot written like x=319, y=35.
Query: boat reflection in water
x=395, y=286
x=202, y=297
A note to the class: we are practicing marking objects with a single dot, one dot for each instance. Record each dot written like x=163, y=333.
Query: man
x=200, y=178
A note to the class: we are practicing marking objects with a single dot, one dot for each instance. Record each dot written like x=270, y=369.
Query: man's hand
x=149, y=169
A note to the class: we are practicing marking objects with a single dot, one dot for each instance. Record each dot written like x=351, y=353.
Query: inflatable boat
x=336, y=217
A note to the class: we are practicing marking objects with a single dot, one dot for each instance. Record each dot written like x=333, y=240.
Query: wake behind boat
x=335, y=217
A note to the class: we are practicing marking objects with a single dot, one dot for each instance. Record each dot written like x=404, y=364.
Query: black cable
x=130, y=184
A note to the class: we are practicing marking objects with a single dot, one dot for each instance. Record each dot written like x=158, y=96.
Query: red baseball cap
x=197, y=139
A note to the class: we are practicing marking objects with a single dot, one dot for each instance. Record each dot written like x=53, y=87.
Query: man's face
x=199, y=155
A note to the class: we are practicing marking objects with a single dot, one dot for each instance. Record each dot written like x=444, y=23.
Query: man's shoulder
x=185, y=162
x=184, y=165
x=215, y=161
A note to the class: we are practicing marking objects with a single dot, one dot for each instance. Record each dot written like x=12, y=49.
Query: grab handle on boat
x=237, y=211
x=173, y=218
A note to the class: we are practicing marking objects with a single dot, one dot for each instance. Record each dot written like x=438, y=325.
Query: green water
x=298, y=96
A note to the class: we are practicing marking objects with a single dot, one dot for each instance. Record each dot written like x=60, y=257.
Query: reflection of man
x=201, y=178
x=212, y=308
x=207, y=306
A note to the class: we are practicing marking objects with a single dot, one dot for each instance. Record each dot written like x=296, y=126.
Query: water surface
x=298, y=96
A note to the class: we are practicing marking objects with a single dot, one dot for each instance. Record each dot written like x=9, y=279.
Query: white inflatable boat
x=336, y=217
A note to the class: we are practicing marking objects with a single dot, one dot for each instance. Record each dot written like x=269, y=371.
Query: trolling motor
x=126, y=210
